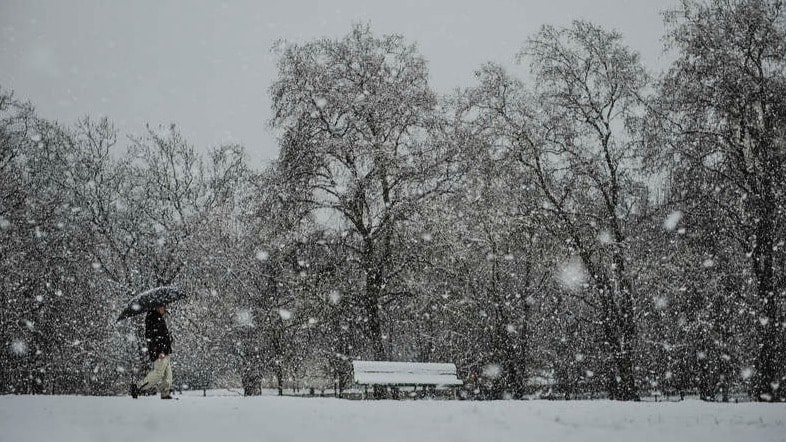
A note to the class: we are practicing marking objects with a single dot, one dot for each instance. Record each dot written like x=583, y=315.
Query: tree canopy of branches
x=355, y=116
x=724, y=120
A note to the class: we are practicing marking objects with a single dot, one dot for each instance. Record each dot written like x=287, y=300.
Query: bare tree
x=722, y=108
x=572, y=139
x=354, y=115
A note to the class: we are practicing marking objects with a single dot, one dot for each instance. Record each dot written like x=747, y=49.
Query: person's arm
x=161, y=339
x=153, y=336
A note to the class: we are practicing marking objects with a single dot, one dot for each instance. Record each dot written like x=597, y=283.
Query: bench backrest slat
x=405, y=373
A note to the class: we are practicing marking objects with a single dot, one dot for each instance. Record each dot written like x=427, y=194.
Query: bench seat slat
x=404, y=379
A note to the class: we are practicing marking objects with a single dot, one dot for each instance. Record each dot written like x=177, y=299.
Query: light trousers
x=160, y=376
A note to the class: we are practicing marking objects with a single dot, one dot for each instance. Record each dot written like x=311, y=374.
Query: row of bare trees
x=648, y=197
x=593, y=230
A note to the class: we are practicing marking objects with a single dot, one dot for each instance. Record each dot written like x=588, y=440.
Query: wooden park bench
x=404, y=374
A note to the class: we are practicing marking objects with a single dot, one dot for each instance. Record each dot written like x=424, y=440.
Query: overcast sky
x=207, y=65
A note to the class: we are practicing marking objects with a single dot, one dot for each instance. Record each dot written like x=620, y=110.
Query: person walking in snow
x=159, y=347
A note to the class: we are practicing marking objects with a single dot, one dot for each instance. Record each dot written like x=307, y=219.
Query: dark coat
x=157, y=335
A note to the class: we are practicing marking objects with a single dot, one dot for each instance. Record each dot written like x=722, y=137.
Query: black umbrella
x=151, y=299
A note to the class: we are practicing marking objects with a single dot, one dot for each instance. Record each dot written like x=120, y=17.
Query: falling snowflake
x=708, y=263
x=244, y=318
x=671, y=221
x=426, y=237
x=605, y=237
x=320, y=102
x=4, y=223
x=334, y=297
x=263, y=255
x=492, y=371
x=746, y=373
x=19, y=347
x=572, y=274
x=285, y=314
x=120, y=205
x=660, y=302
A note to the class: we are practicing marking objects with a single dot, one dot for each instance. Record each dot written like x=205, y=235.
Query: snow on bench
x=405, y=374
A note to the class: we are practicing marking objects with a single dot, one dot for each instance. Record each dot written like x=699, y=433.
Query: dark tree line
x=597, y=230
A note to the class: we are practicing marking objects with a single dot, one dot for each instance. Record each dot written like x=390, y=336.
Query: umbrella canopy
x=151, y=299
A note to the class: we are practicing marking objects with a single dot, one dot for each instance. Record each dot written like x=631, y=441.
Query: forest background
x=605, y=229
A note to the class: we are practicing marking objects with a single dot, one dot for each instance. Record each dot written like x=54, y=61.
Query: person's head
x=161, y=309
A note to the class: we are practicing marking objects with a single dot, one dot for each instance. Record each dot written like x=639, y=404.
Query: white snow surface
x=194, y=418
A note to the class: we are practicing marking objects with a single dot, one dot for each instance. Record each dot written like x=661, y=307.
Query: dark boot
x=134, y=391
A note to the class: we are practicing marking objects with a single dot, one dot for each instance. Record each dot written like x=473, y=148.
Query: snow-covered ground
x=228, y=418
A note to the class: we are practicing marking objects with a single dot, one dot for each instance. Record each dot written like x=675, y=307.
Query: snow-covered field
x=268, y=418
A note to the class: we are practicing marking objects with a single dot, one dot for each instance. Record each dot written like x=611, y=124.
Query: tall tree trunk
x=619, y=329
x=768, y=360
x=371, y=301
x=373, y=315
x=627, y=333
